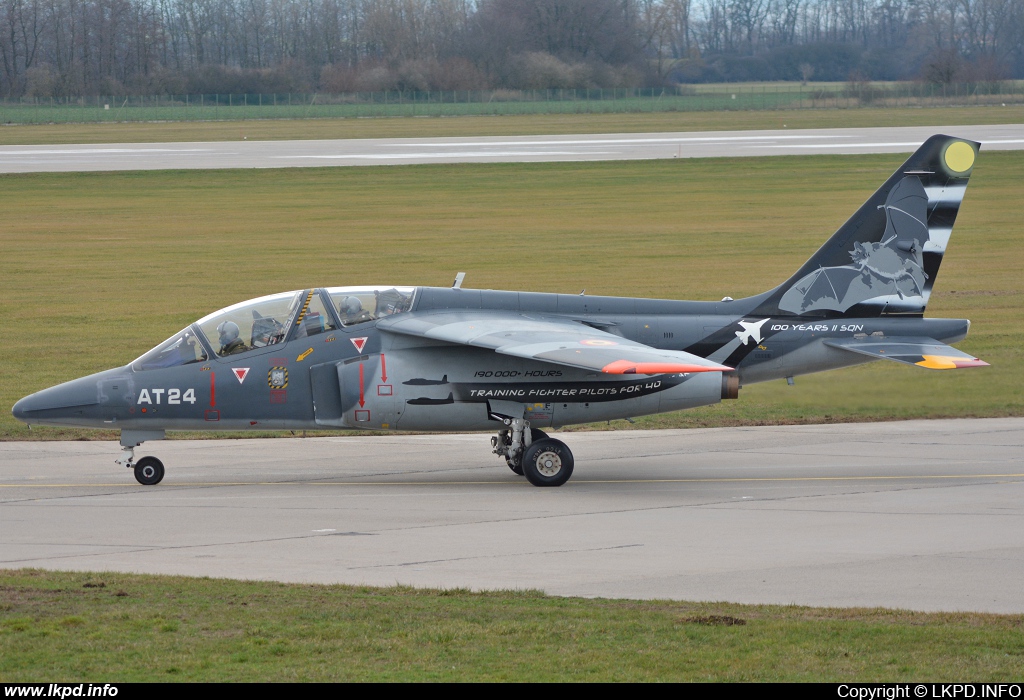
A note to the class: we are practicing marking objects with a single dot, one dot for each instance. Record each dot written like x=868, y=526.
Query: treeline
x=67, y=48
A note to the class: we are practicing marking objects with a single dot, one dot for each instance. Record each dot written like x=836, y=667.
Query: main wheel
x=547, y=462
x=149, y=471
x=516, y=465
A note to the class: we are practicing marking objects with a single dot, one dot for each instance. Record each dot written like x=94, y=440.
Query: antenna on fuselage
x=457, y=284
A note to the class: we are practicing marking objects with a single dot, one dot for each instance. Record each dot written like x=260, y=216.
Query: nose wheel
x=149, y=471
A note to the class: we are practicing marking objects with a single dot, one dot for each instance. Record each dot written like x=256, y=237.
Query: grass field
x=99, y=267
x=722, y=97
x=407, y=127
x=449, y=104
x=120, y=627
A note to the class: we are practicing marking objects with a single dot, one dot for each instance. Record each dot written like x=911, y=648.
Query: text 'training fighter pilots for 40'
x=515, y=363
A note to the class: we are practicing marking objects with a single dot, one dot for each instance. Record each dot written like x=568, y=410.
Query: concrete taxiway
x=927, y=515
x=496, y=149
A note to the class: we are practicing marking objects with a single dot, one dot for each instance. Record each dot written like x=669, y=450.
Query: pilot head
x=228, y=332
x=350, y=306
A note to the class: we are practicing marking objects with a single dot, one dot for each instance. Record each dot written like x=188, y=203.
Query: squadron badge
x=277, y=378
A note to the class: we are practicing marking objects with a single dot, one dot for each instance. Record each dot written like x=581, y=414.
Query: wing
x=548, y=339
x=923, y=352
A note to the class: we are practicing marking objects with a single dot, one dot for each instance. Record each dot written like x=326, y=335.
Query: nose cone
x=64, y=404
x=20, y=409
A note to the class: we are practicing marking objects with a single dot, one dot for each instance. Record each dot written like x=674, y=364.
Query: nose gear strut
x=127, y=456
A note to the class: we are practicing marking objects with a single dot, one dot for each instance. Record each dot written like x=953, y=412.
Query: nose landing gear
x=149, y=471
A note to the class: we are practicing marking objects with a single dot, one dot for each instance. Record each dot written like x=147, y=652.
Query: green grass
x=99, y=267
x=408, y=127
x=122, y=627
x=447, y=103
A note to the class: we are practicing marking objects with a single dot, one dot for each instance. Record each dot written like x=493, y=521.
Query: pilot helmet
x=350, y=306
x=228, y=331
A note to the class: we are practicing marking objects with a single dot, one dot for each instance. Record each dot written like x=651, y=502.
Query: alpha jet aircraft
x=515, y=363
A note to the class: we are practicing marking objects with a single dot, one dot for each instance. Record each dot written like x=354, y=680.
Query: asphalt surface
x=497, y=149
x=926, y=515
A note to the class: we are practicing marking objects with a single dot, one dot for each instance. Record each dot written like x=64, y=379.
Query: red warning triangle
x=240, y=373
x=359, y=343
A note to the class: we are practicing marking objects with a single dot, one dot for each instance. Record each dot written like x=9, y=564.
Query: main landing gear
x=531, y=453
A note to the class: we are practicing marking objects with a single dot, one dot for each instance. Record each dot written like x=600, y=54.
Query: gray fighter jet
x=514, y=363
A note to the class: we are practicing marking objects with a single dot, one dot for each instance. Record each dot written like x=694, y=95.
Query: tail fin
x=884, y=260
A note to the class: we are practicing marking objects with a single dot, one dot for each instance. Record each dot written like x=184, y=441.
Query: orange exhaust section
x=627, y=367
x=944, y=362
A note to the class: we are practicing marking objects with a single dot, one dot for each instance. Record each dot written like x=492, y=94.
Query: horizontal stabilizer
x=559, y=341
x=923, y=352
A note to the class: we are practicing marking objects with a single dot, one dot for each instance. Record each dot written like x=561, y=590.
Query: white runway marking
x=32, y=150
x=905, y=144
x=638, y=140
x=476, y=149
x=454, y=154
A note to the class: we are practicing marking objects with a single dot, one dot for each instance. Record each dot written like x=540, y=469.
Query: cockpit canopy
x=180, y=349
x=277, y=318
x=252, y=324
x=357, y=305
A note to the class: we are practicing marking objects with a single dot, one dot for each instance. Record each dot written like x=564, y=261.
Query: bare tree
x=22, y=23
x=748, y=16
x=74, y=47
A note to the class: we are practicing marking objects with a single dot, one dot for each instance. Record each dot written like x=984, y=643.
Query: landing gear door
x=326, y=392
x=367, y=394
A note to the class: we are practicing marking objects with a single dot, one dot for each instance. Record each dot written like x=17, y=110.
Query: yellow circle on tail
x=959, y=157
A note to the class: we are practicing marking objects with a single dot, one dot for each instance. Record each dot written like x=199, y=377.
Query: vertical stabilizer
x=885, y=258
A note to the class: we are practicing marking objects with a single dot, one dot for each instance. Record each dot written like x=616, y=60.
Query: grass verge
x=526, y=124
x=100, y=267
x=121, y=627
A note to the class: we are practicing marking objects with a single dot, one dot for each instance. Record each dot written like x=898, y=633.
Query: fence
x=682, y=98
